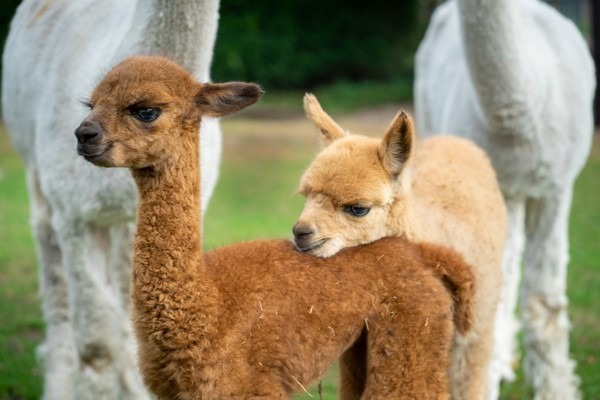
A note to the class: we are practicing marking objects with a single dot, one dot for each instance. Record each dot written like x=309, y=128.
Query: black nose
x=302, y=231
x=89, y=132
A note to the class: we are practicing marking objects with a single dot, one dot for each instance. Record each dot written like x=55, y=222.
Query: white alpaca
x=517, y=78
x=82, y=217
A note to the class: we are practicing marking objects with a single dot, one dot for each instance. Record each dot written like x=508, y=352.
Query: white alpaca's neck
x=191, y=27
x=492, y=31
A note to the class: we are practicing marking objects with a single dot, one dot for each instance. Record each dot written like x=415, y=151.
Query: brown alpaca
x=259, y=320
x=443, y=190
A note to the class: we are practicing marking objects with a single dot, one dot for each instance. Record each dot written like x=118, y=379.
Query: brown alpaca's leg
x=408, y=354
x=353, y=365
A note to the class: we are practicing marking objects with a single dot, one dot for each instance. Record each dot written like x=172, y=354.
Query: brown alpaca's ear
x=397, y=144
x=220, y=99
x=330, y=130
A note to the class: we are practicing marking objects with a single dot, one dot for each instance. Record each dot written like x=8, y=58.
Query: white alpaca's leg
x=121, y=237
x=94, y=311
x=57, y=353
x=507, y=326
x=544, y=300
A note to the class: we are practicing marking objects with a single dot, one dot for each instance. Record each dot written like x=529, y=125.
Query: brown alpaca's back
x=304, y=312
x=286, y=316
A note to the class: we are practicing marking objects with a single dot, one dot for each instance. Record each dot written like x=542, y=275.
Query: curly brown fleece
x=258, y=320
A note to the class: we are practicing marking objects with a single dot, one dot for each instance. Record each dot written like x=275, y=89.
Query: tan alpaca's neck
x=170, y=287
x=491, y=31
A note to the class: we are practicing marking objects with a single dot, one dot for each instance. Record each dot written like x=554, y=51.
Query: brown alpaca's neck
x=170, y=288
x=169, y=214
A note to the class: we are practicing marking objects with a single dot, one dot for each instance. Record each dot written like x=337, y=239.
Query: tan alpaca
x=443, y=190
x=259, y=320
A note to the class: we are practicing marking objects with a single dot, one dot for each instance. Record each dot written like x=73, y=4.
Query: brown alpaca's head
x=352, y=184
x=145, y=105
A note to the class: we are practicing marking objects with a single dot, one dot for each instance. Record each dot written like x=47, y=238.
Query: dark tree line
x=303, y=44
x=293, y=44
x=7, y=10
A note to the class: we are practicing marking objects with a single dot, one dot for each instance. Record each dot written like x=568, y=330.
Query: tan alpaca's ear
x=220, y=99
x=397, y=144
x=330, y=130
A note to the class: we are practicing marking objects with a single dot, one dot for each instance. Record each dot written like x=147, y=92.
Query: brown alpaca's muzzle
x=89, y=141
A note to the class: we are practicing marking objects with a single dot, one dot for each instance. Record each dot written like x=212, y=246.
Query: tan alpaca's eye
x=145, y=114
x=356, y=210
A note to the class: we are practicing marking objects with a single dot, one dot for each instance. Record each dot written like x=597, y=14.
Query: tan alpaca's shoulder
x=454, y=176
x=445, y=157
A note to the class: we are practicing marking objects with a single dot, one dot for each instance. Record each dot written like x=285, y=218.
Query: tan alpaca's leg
x=471, y=357
x=471, y=353
x=353, y=365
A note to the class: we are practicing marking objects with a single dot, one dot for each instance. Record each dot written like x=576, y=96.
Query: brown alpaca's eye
x=356, y=210
x=87, y=104
x=145, y=114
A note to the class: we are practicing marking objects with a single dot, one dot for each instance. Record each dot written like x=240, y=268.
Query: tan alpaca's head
x=352, y=184
x=144, y=105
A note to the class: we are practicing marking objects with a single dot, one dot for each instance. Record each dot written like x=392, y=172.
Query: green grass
x=584, y=274
x=21, y=327
x=262, y=163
